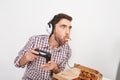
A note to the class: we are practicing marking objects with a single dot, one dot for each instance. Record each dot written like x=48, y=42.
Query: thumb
x=52, y=60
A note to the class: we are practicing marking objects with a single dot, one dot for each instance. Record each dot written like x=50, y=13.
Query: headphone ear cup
x=49, y=28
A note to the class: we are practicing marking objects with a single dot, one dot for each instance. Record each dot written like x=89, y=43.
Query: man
x=55, y=44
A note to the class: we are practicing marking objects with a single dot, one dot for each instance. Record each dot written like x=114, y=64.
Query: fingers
x=34, y=52
x=30, y=56
x=45, y=65
x=49, y=66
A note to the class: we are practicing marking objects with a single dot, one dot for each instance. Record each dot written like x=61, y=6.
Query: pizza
x=88, y=73
x=78, y=72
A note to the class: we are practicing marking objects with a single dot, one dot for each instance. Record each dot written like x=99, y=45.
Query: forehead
x=65, y=22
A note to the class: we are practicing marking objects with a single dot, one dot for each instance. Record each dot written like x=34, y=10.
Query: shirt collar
x=46, y=40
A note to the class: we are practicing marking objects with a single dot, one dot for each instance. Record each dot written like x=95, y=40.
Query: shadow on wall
x=118, y=72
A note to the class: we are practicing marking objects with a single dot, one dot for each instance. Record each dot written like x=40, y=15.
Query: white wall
x=95, y=33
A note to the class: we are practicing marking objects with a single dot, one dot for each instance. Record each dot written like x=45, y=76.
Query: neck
x=52, y=42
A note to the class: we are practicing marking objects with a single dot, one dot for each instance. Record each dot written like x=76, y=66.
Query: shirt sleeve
x=29, y=45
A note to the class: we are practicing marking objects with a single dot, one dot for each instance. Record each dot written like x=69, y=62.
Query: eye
x=62, y=26
x=70, y=27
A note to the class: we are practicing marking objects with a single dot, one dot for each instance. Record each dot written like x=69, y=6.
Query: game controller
x=44, y=54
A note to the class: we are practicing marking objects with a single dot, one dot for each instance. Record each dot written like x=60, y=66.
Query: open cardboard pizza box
x=78, y=72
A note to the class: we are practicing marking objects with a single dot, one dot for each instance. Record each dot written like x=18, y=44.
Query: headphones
x=49, y=28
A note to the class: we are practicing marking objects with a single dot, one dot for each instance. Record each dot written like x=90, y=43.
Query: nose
x=67, y=31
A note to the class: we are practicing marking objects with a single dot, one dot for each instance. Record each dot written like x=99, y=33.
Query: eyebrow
x=63, y=25
x=66, y=25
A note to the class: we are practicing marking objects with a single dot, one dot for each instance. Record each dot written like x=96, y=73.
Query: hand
x=30, y=55
x=51, y=65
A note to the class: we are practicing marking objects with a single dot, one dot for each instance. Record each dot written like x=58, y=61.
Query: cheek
x=60, y=33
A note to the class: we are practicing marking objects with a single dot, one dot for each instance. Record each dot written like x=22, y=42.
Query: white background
x=95, y=34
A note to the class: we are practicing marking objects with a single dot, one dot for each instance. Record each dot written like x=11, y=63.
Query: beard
x=59, y=41
x=62, y=40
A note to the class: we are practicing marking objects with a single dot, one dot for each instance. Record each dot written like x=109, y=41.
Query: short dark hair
x=56, y=19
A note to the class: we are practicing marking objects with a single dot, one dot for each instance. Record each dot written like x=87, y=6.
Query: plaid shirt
x=33, y=70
